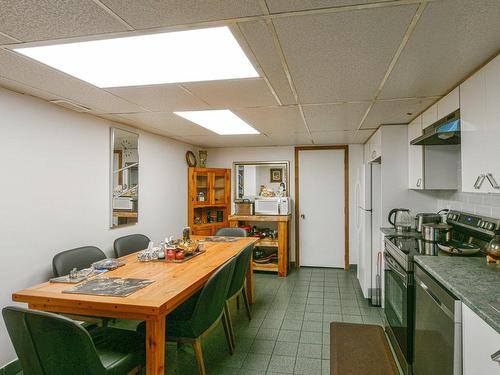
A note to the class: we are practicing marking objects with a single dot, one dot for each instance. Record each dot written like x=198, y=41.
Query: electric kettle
x=400, y=218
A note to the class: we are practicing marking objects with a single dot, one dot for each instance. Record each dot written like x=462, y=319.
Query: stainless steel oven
x=399, y=310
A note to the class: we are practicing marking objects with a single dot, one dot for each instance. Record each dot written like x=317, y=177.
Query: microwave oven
x=272, y=206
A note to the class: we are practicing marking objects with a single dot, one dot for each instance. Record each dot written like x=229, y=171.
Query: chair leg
x=226, y=323
x=199, y=356
x=230, y=323
x=245, y=300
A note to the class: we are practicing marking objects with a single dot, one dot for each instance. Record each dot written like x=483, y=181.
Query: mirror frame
x=273, y=162
x=111, y=158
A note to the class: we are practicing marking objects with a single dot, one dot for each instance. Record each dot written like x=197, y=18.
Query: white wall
x=54, y=194
x=224, y=158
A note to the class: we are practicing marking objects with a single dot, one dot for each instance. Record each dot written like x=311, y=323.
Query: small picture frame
x=276, y=175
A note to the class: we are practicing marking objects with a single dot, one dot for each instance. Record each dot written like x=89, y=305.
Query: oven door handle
x=393, y=266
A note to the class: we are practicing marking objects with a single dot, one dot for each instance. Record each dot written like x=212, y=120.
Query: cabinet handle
x=479, y=181
x=496, y=356
x=419, y=182
x=492, y=181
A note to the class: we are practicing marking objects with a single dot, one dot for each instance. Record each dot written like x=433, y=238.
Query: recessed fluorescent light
x=222, y=121
x=182, y=56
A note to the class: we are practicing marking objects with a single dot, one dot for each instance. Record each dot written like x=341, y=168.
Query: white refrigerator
x=368, y=203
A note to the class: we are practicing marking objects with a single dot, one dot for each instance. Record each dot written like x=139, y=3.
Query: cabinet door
x=219, y=187
x=202, y=187
x=479, y=342
x=430, y=116
x=450, y=103
x=376, y=145
x=480, y=116
x=415, y=156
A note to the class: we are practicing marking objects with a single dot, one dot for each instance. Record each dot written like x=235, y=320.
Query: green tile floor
x=289, y=331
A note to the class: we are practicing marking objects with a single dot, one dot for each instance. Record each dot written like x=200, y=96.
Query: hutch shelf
x=208, y=200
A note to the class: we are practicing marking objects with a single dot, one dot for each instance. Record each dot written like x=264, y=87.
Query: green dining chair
x=237, y=287
x=197, y=316
x=50, y=344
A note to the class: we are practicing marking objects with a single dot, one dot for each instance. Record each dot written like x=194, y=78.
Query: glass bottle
x=493, y=249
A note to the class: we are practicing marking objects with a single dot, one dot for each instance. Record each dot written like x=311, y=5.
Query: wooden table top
x=174, y=282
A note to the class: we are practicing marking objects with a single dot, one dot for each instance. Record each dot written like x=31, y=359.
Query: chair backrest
x=212, y=298
x=79, y=258
x=50, y=344
x=130, y=244
x=240, y=271
x=232, y=232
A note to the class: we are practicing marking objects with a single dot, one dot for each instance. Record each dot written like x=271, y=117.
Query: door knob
x=302, y=216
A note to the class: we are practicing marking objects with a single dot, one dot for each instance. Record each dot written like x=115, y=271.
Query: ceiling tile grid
x=342, y=56
x=343, y=116
x=280, y=6
x=395, y=111
x=451, y=39
x=234, y=93
x=30, y=20
x=147, y=14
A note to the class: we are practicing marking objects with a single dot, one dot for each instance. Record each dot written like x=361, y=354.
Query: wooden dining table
x=173, y=284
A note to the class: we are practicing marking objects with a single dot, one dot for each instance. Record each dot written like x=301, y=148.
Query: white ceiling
x=332, y=71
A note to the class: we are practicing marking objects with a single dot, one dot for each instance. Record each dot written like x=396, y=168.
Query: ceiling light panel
x=222, y=122
x=184, y=56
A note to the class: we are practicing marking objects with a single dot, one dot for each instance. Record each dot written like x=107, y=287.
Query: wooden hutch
x=209, y=200
x=281, y=243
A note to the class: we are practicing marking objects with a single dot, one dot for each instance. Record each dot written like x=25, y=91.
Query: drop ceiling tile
x=25, y=89
x=168, y=122
x=451, y=39
x=289, y=139
x=340, y=137
x=155, y=13
x=228, y=140
x=31, y=20
x=344, y=116
x=342, y=56
x=234, y=93
x=4, y=39
x=260, y=41
x=273, y=119
x=279, y=6
x=44, y=78
x=396, y=111
x=160, y=98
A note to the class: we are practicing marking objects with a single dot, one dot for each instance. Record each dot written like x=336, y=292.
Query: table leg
x=155, y=346
x=250, y=281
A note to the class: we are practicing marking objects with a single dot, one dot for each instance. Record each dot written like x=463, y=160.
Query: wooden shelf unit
x=215, y=184
x=281, y=243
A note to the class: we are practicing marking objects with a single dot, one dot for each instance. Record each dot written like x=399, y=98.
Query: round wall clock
x=191, y=159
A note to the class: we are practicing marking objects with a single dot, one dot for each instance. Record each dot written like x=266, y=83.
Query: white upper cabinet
x=430, y=116
x=376, y=145
x=450, y=103
x=415, y=156
x=480, y=128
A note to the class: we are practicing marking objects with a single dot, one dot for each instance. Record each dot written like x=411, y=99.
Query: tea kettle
x=402, y=219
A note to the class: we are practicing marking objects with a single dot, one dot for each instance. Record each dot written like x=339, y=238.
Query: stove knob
x=490, y=226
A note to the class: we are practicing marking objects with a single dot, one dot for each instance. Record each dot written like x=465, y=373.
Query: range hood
x=445, y=131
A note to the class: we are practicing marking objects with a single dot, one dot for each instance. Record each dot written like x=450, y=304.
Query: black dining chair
x=130, y=244
x=198, y=315
x=232, y=232
x=79, y=258
x=237, y=287
x=47, y=343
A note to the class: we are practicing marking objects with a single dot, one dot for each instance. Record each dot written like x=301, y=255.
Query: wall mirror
x=261, y=179
x=124, y=178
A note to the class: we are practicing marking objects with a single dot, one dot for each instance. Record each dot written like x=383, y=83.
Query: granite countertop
x=391, y=231
x=472, y=280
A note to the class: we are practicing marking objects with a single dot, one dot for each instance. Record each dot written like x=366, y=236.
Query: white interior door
x=321, y=205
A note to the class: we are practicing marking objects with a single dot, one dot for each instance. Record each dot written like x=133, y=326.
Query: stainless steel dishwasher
x=438, y=328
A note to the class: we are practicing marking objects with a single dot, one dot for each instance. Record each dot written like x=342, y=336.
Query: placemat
x=110, y=286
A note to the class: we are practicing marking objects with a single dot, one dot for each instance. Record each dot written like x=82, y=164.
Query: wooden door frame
x=346, y=198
